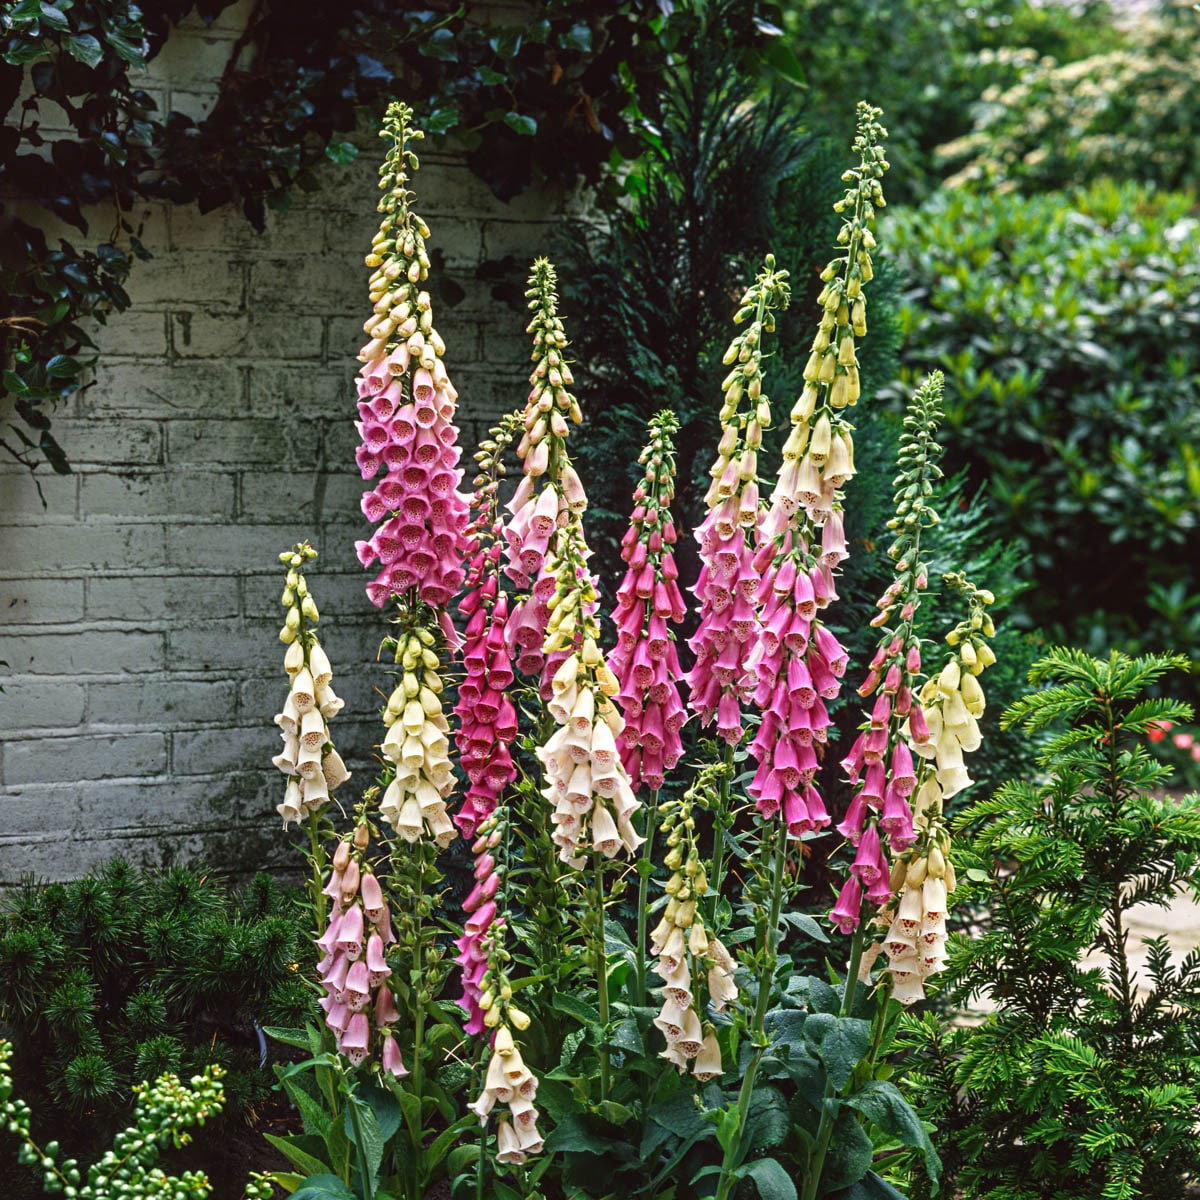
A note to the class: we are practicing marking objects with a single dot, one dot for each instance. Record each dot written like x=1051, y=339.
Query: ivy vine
x=561, y=97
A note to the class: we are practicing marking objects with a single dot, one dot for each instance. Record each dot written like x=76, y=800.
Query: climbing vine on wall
x=560, y=97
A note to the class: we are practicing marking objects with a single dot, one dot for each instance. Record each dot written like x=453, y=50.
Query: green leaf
x=440, y=45
x=807, y=925
x=813, y=993
x=524, y=125
x=343, y=153
x=841, y=1043
x=54, y=454
x=359, y=1122
x=54, y=17
x=297, y=1156
x=314, y=1114
x=573, y=1134
x=383, y=1104
x=772, y=1181
x=289, y=1037
x=871, y=1187
x=14, y=384
x=850, y=1154
x=62, y=365
x=883, y=1105
x=85, y=47
x=574, y=1007
x=780, y=56
x=323, y=1187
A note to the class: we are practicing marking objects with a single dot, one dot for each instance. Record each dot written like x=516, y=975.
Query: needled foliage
x=1085, y=1080
x=120, y=976
x=1065, y=325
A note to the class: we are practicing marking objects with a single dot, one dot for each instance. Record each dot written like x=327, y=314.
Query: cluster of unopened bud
x=819, y=452
x=417, y=742
x=685, y=952
x=312, y=766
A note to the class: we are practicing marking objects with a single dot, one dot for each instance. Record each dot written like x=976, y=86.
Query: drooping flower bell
x=727, y=587
x=358, y=1003
x=312, y=766
x=511, y=1083
x=417, y=743
x=645, y=660
x=407, y=404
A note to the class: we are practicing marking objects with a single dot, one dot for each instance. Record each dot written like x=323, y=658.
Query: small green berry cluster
x=165, y=1110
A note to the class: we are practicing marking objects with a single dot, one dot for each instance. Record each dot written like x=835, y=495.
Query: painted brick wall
x=139, y=608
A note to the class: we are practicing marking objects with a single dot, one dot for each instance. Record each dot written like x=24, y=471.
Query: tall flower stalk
x=585, y=779
x=952, y=702
x=880, y=763
x=727, y=588
x=406, y=407
x=487, y=717
x=507, y=1081
x=308, y=760
x=645, y=660
x=694, y=966
x=796, y=663
x=550, y=491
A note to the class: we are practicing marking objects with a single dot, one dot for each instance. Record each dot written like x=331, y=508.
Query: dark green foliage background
x=119, y=976
x=1082, y=1082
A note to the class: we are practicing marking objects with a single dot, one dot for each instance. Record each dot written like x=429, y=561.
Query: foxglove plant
x=880, y=764
x=407, y=403
x=488, y=997
x=407, y=409
x=358, y=1003
x=312, y=766
x=692, y=963
x=487, y=718
x=645, y=660
x=798, y=662
x=727, y=588
x=550, y=490
x=952, y=702
x=795, y=662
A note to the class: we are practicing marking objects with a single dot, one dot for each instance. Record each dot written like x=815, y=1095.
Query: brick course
x=139, y=608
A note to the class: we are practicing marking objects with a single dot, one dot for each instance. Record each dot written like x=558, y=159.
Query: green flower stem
x=722, y=827
x=828, y=1108
x=316, y=858
x=363, y=1171
x=645, y=870
x=601, y=961
x=776, y=842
